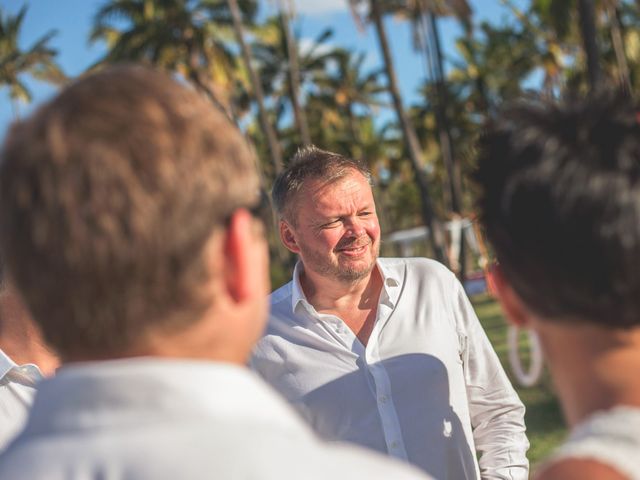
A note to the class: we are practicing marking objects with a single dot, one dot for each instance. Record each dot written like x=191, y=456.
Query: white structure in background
x=461, y=229
x=457, y=228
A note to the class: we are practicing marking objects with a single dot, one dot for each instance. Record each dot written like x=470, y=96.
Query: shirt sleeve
x=497, y=414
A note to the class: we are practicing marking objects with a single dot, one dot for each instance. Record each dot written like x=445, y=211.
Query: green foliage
x=192, y=38
x=545, y=426
x=275, y=70
x=342, y=101
x=37, y=61
x=496, y=62
x=556, y=13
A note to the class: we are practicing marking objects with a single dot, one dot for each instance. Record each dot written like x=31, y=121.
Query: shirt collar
x=6, y=364
x=391, y=279
x=297, y=294
x=86, y=393
x=27, y=374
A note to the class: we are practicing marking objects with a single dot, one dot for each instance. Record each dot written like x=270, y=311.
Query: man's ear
x=516, y=311
x=288, y=237
x=239, y=249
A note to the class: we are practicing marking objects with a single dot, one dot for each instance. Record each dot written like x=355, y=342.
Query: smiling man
x=386, y=353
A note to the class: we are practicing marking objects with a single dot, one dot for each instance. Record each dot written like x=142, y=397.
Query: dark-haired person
x=386, y=353
x=24, y=358
x=125, y=221
x=561, y=205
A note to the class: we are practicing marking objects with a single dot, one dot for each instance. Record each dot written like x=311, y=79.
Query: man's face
x=336, y=233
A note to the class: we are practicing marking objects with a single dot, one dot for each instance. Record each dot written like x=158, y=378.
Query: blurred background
x=404, y=85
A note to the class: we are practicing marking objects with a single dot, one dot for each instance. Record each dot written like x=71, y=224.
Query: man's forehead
x=319, y=193
x=335, y=199
x=318, y=186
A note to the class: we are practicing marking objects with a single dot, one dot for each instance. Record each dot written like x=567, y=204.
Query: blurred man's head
x=560, y=202
x=123, y=216
x=328, y=214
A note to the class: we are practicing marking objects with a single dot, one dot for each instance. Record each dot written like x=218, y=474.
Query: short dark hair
x=310, y=162
x=109, y=194
x=560, y=203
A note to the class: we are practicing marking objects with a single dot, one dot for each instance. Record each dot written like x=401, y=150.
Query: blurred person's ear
x=514, y=308
x=288, y=237
x=245, y=281
x=245, y=265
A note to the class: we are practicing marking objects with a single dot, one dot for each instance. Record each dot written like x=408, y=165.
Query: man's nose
x=355, y=227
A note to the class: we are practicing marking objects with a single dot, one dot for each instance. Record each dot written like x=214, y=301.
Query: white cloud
x=307, y=44
x=320, y=7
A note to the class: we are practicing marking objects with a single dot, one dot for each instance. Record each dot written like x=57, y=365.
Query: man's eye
x=331, y=224
x=365, y=214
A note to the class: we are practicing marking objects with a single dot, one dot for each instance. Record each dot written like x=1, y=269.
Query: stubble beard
x=344, y=274
x=352, y=275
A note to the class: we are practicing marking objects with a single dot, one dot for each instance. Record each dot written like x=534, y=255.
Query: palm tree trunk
x=413, y=147
x=294, y=77
x=204, y=89
x=618, y=44
x=194, y=76
x=15, y=109
x=353, y=129
x=272, y=140
x=588, y=31
x=444, y=133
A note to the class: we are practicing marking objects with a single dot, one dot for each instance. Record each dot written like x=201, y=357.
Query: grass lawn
x=545, y=426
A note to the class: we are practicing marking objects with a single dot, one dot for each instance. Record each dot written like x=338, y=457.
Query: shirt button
x=383, y=399
x=394, y=444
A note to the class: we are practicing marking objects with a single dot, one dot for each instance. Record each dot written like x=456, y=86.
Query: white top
x=428, y=387
x=609, y=437
x=174, y=419
x=16, y=394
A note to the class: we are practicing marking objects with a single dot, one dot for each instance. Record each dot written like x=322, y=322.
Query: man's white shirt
x=17, y=387
x=428, y=388
x=150, y=418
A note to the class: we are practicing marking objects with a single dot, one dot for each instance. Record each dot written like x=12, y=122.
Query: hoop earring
x=530, y=378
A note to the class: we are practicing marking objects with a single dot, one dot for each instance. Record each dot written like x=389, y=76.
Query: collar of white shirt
x=392, y=275
x=27, y=375
x=6, y=364
x=89, y=394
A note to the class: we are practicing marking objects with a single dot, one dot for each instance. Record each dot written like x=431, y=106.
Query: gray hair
x=311, y=162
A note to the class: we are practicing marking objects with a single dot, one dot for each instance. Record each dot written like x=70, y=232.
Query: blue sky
x=72, y=20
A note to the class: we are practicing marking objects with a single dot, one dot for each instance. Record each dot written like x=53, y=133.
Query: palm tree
x=587, y=13
x=191, y=37
x=348, y=90
x=294, y=72
x=494, y=66
x=596, y=26
x=422, y=14
x=409, y=135
x=617, y=39
x=561, y=15
x=38, y=61
x=547, y=26
x=588, y=31
x=272, y=140
x=271, y=50
x=628, y=18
